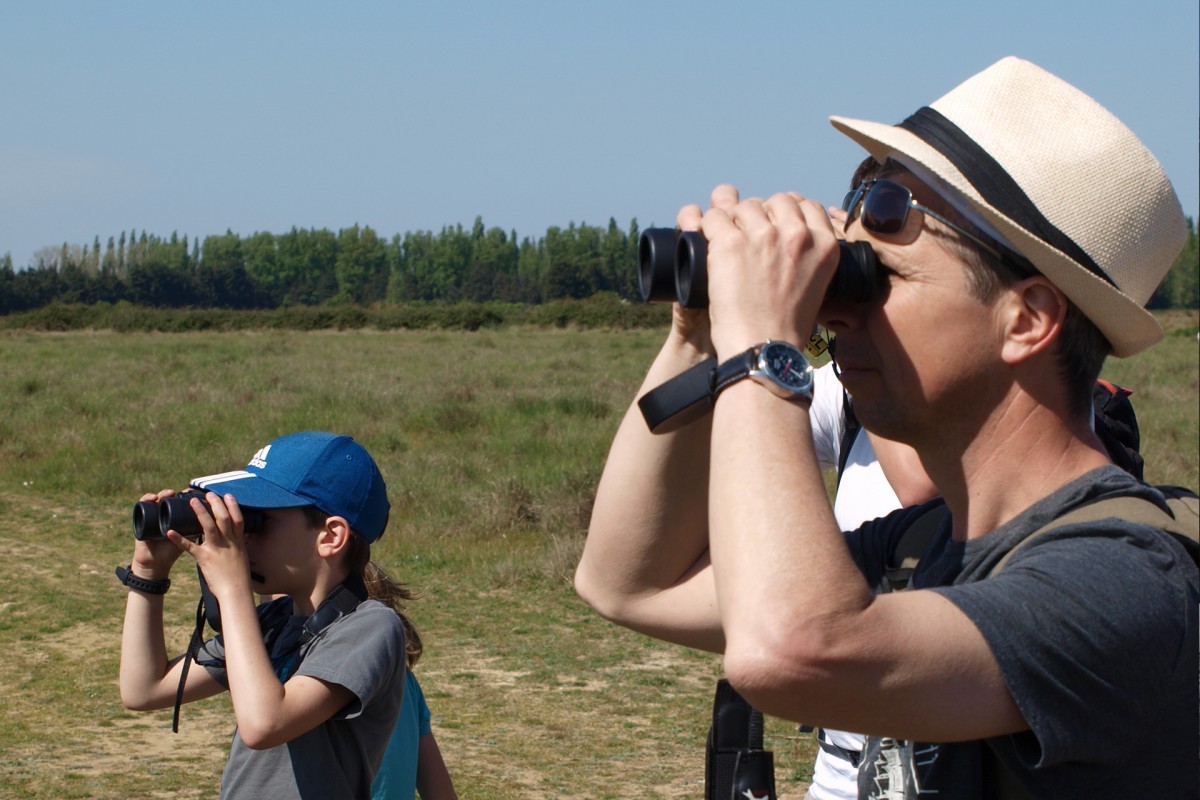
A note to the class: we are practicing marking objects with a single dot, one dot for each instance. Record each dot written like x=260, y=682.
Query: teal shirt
x=397, y=776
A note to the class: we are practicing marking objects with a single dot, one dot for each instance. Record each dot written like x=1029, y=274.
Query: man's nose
x=840, y=316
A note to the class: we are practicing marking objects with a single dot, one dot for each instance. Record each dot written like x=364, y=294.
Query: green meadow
x=491, y=442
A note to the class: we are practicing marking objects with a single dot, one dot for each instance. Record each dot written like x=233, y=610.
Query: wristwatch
x=690, y=395
x=778, y=366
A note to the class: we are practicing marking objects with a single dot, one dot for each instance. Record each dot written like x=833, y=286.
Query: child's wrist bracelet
x=127, y=578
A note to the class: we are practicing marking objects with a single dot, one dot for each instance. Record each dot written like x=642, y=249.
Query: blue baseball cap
x=334, y=473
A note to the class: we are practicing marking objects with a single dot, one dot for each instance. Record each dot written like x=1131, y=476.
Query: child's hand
x=153, y=558
x=222, y=557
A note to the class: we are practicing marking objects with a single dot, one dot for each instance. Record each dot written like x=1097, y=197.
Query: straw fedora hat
x=1060, y=178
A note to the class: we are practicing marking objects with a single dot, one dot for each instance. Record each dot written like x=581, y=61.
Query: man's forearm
x=774, y=541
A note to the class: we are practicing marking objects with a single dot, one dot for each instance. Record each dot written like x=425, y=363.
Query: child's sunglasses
x=885, y=206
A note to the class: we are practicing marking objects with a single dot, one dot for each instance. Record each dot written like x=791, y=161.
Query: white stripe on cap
x=223, y=477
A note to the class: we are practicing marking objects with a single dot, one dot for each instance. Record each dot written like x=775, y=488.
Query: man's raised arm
x=645, y=564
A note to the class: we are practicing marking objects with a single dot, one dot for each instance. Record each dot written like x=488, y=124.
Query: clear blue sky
x=259, y=116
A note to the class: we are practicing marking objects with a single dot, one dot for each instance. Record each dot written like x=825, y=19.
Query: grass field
x=491, y=442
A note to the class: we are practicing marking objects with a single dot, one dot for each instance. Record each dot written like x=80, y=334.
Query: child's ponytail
x=382, y=588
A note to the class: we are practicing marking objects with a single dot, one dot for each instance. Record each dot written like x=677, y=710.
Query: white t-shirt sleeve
x=825, y=415
x=863, y=492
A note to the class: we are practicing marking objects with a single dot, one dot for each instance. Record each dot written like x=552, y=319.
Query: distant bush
x=599, y=311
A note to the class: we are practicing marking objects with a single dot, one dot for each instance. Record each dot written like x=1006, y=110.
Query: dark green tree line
x=315, y=267
x=1181, y=287
x=356, y=266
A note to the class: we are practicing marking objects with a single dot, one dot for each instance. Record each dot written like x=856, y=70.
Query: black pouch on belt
x=736, y=766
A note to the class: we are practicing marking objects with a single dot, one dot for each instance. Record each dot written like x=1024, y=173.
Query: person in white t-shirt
x=877, y=477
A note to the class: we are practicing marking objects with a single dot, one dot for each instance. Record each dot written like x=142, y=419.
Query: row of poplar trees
x=314, y=267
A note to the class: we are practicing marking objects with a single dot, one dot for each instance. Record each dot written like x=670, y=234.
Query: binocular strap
x=343, y=600
x=188, y=657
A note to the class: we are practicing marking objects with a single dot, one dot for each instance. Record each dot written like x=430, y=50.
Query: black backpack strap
x=850, y=428
x=1003, y=781
x=911, y=545
x=1117, y=426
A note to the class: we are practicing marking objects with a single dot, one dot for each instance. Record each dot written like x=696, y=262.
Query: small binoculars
x=673, y=265
x=153, y=518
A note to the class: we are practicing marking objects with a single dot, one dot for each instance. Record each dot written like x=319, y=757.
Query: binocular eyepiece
x=673, y=265
x=152, y=519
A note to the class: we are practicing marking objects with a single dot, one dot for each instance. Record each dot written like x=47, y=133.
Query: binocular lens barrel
x=175, y=513
x=656, y=264
x=145, y=521
x=673, y=266
x=152, y=520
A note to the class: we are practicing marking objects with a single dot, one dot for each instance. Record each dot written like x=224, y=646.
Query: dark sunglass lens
x=886, y=207
x=849, y=204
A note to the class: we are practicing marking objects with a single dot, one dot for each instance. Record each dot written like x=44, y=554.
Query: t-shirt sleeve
x=1070, y=623
x=211, y=656
x=360, y=652
x=423, y=715
x=826, y=416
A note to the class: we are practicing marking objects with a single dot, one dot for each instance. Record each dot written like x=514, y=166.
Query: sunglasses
x=885, y=206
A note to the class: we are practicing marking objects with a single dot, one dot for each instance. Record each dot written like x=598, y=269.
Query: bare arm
x=433, y=778
x=805, y=638
x=147, y=679
x=645, y=561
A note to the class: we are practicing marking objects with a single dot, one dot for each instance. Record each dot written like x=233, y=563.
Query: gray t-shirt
x=1094, y=627
x=362, y=651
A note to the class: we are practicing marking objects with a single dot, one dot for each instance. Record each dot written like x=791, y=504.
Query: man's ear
x=334, y=537
x=1032, y=314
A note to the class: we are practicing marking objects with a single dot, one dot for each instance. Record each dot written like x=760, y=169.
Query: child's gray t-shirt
x=362, y=651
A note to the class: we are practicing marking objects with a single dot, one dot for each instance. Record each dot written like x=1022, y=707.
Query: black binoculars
x=673, y=265
x=152, y=519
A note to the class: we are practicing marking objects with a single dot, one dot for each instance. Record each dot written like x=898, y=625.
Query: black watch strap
x=144, y=585
x=734, y=370
x=683, y=399
x=690, y=395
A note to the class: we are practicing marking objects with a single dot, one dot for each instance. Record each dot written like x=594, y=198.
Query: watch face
x=786, y=365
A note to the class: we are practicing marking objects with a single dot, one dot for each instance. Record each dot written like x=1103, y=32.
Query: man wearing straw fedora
x=1020, y=228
